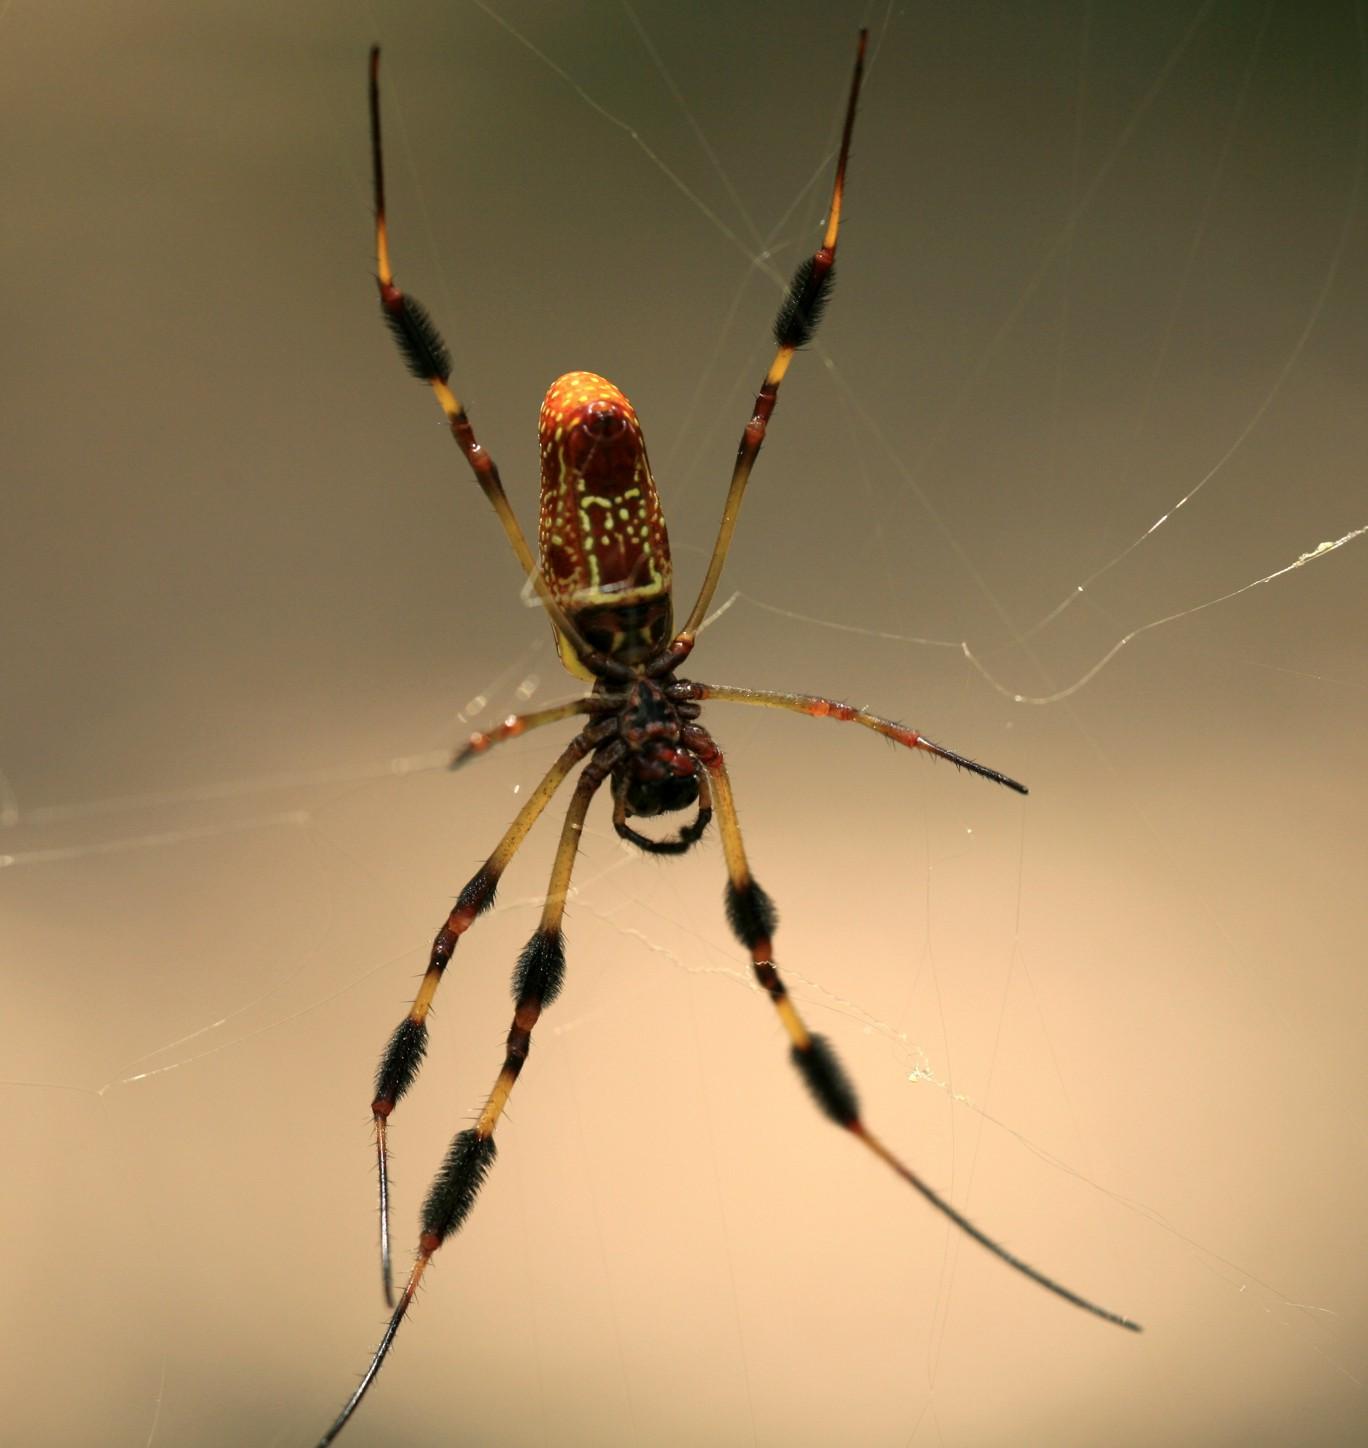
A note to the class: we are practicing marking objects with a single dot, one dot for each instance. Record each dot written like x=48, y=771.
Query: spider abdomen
x=605, y=552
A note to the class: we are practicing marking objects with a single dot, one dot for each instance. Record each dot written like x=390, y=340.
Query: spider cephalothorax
x=605, y=582
x=661, y=764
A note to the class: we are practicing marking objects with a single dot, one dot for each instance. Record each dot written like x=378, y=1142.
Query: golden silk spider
x=604, y=580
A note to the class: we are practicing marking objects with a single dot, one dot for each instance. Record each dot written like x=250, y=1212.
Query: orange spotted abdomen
x=605, y=553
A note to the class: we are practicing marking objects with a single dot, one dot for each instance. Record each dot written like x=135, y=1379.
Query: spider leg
x=817, y=707
x=752, y=918
x=428, y=359
x=517, y=724
x=799, y=314
x=536, y=983
x=404, y=1052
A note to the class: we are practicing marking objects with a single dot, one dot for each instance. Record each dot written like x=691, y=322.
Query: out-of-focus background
x=1091, y=387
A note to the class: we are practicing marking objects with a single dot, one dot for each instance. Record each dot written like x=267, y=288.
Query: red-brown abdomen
x=604, y=549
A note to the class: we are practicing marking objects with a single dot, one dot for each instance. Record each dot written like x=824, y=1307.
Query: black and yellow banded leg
x=541, y=966
x=794, y=327
x=536, y=983
x=428, y=359
x=406, y=1047
x=753, y=918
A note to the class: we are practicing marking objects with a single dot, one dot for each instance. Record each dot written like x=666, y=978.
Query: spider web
x=1073, y=481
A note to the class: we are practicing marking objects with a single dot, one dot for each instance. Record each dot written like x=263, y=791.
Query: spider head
x=657, y=796
x=658, y=777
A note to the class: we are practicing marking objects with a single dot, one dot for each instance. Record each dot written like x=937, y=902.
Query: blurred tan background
x=1094, y=261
